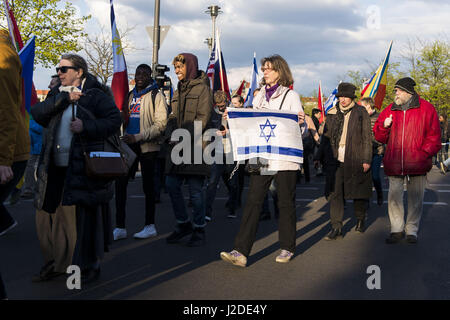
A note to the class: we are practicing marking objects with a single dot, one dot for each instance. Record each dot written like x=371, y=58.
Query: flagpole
x=321, y=103
x=219, y=50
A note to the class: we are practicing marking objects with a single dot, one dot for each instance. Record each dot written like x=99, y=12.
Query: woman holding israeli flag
x=275, y=94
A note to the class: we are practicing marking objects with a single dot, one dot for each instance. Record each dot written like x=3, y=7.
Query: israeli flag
x=331, y=101
x=254, y=84
x=271, y=134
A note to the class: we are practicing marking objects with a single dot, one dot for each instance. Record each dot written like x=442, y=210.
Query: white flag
x=270, y=134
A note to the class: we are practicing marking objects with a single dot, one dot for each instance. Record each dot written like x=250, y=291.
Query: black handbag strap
x=282, y=101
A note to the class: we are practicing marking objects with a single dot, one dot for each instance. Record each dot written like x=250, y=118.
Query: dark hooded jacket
x=78, y=188
x=192, y=101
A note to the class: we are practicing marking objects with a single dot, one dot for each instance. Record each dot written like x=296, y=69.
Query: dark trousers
x=93, y=235
x=337, y=202
x=306, y=154
x=222, y=171
x=159, y=178
x=375, y=166
x=259, y=185
x=2, y=289
x=18, y=168
x=266, y=206
x=241, y=177
x=147, y=161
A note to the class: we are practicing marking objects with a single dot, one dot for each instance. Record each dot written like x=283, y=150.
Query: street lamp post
x=213, y=11
x=155, y=35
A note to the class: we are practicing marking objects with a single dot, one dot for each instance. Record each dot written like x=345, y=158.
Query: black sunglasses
x=65, y=68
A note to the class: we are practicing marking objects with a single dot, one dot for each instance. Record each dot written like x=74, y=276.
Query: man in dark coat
x=191, y=111
x=349, y=131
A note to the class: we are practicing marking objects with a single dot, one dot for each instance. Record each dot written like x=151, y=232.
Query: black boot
x=264, y=216
x=198, y=238
x=182, y=230
x=359, y=226
x=395, y=237
x=380, y=199
x=334, y=234
x=90, y=275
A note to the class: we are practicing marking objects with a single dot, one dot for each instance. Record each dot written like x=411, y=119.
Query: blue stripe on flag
x=113, y=18
x=270, y=149
x=233, y=115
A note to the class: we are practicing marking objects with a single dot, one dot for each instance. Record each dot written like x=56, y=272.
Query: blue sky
x=321, y=40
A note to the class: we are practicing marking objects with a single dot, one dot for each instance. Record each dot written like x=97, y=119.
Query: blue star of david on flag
x=267, y=125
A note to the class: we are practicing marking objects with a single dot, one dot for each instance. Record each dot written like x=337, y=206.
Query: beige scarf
x=347, y=111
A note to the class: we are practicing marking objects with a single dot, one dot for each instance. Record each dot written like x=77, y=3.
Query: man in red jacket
x=410, y=129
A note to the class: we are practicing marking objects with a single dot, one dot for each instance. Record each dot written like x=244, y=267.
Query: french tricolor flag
x=119, y=85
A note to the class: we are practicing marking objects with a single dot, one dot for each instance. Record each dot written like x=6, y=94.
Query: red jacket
x=412, y=140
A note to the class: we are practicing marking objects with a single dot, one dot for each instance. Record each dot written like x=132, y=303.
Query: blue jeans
x=196, y=194
x=375, y=166
x=224, y=171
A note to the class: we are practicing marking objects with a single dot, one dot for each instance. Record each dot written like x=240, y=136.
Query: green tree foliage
x=432, y=74
x=53, y=22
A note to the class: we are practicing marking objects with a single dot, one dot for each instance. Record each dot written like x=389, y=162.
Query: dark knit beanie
x=346, y=89
x=406, y=84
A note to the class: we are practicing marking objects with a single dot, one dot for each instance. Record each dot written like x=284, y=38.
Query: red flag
x=320, y=105
x=119, y=84
x=241, y=87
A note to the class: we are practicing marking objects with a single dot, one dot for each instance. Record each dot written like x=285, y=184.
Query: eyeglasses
x=266, y=69
x=65, y=68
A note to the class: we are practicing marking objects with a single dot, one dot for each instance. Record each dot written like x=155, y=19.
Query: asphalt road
x=153, y=270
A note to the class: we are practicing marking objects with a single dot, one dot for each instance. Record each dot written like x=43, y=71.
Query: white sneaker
x=147, y=232
x=234, y=257
x=119, y=233
x=284, y=256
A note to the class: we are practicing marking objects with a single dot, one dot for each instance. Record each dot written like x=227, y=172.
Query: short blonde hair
x=179, y=58
x=220, y=97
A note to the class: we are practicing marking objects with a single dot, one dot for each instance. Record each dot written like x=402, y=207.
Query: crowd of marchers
x=73, y=210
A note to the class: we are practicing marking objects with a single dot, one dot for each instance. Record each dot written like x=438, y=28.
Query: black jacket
x=78, y=188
